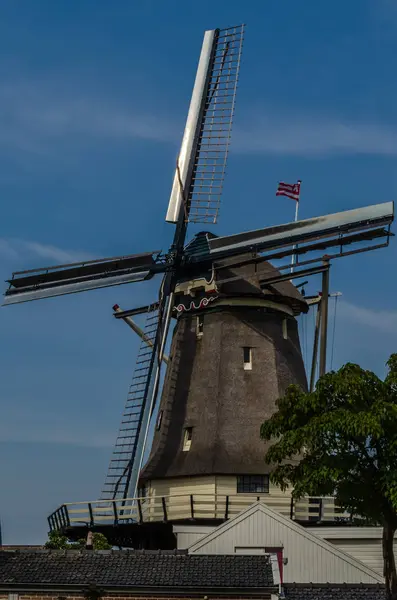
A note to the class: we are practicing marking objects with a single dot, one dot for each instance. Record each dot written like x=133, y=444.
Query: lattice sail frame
x=125, y=463
x=201, y=164
x=213, y=147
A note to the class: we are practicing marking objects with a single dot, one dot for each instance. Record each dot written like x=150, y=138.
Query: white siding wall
x=223, y=485
x=176, y=493
x=366, y=548
x=364, y=543
x=309, y=559
x=209, y=494
x=368, y=551
x=183, y=486
x=186, y=535
x=276, y=499
x=214, y=490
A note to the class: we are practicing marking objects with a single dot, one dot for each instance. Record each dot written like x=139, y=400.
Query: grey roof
x=198, y=249
x=246, y=277
x=334, y=592
x=248, y=282
x=132, y=569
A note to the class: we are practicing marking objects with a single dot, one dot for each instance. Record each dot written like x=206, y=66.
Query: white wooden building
x=304, y=556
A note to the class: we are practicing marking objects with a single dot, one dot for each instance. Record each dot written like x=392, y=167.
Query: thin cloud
x=16, y=249
x=35, y=117
x=384, y=321
x=314, y=137
x=38, y=117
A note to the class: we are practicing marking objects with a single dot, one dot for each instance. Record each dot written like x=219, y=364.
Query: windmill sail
x=47, y=282
x=124, y=467
x=363, y=223
x=201, y=164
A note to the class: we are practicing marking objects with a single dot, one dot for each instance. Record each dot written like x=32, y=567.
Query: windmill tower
x=234, y=351
x=235, y=344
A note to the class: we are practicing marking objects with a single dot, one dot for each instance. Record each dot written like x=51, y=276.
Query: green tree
x=345, y=434
x=99, y=542
x=57, y=541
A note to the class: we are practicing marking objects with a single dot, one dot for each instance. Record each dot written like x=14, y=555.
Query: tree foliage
x=341, y=439
x=57, y=541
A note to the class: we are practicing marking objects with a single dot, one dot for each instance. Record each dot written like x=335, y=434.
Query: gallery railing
x=189, y=507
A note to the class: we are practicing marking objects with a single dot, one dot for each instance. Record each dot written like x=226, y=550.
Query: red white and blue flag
x=291, y=190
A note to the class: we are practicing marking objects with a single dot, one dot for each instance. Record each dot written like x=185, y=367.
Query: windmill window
x=199, y=326
x=247, y=356
x=253, y=484
x=285, y=329
x=187, y=439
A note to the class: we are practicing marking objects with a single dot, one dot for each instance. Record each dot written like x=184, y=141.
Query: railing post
x=116, y=516
x=191, y=506
x=320, y=510
x=57, y=521
x=60, y=516
x=164, y=509
x=227, y=508
x=140, y=510
x=291, y=509
x=91, y=514
x=66, y=515
x=50, y=524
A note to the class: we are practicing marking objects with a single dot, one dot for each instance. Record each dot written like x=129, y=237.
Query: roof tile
x=334, y=592
x=134, y=569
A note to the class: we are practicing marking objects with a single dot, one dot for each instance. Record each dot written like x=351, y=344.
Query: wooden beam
x=324, y=319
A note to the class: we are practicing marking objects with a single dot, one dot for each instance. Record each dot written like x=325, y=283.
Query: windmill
x=223, y=285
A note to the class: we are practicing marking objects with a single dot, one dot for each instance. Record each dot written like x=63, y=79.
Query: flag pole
x=293, y=257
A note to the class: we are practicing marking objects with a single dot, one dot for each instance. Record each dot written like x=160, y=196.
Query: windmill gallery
x=235, y=345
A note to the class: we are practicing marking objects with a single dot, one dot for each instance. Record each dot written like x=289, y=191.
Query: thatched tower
x=234, y=351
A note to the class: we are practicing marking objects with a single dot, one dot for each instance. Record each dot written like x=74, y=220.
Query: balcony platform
x=147, y=522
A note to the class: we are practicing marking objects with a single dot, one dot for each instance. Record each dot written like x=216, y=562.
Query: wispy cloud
x=302, y=135
x=36, y=116
x=385, y=12
x=384, y=321
x=15, y=249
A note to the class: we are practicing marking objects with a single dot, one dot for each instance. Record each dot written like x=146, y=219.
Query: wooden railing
x=186, y=507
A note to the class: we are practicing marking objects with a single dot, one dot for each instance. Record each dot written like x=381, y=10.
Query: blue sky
x=93, y=100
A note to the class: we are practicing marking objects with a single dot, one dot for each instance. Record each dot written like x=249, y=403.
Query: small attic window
x=247, y=357
x=187, y=439
x=285, y=329
x=199, y=326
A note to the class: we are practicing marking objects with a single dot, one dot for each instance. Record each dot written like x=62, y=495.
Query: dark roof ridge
x=92, y=551
x=334, y=585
